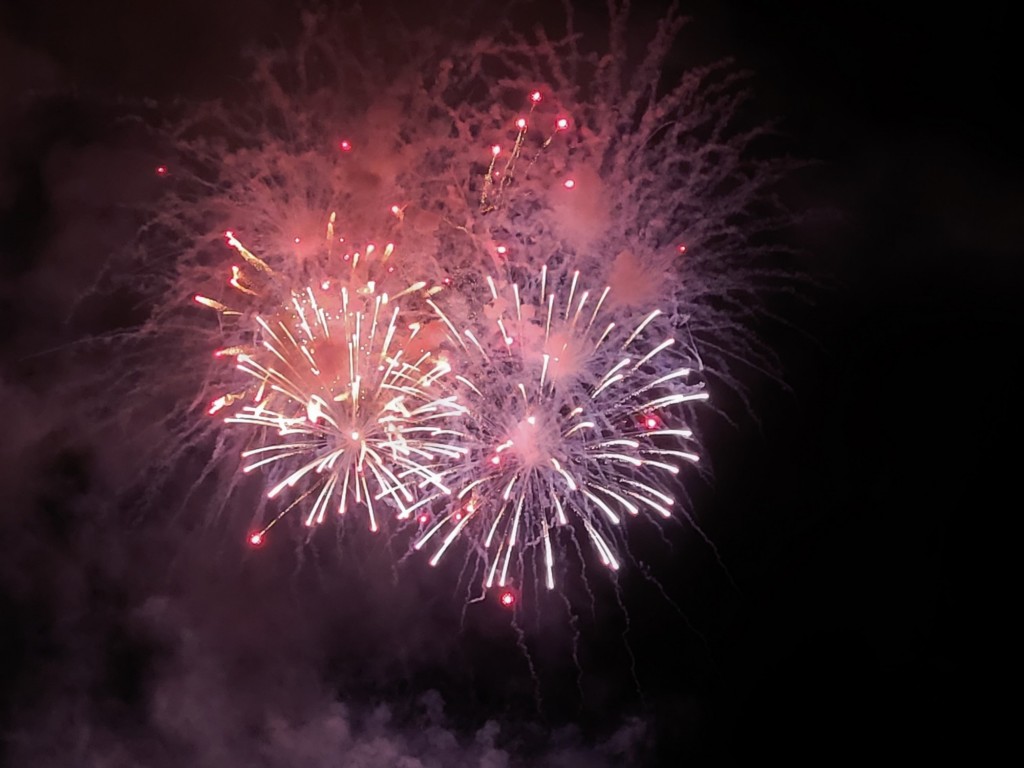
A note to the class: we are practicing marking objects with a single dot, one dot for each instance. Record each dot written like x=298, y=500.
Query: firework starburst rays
x=574, y=423
x=338, y=403
x=523, y=417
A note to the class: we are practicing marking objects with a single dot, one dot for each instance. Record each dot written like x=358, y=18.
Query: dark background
x=857, y=520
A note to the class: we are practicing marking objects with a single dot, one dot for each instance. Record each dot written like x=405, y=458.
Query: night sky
x=855, y=517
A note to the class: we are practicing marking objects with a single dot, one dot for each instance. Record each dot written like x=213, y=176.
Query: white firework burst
x=574, y=422
x=340, y=399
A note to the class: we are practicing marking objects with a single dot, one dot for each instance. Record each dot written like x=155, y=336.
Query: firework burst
x=339, y=398
x=573, y=422
x=504, y=417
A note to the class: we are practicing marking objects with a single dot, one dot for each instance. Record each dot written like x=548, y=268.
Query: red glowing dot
x=256, y=538
x=507, y=599
x=569, y=183
x=521, y=123
x=346, y=257
x=650, y=421
x=424, y=518
x=458, y=515
x=495, y=460
x=447, y=281
x=391, y=269
x=345, y=145
x=535, y=97
x=681, y=248
x=298, y=240
x=395, y=210
x=561, y=124
x=495, y=150
x=161, y=170
x=502, y=250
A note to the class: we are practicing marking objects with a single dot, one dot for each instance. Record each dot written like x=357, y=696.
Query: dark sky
x=852, y=519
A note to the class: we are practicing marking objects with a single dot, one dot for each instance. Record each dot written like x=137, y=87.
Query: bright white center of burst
x=532, y=441
x=568, y=355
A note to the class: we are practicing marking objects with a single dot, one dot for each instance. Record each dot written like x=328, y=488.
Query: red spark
x=650, y=421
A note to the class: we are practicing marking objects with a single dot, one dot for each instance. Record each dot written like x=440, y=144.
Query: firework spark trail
x=335, y=399
x=573, y=421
